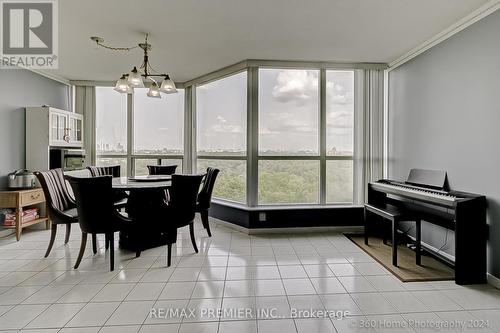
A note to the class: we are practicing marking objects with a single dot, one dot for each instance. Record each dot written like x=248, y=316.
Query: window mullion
x=322, y=137
x=252, y=135
x=130, y=134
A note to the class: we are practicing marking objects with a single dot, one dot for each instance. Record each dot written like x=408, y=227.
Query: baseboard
x=493, y=280
x=301, y=230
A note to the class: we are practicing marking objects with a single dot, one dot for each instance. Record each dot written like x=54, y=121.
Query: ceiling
x=194, y=37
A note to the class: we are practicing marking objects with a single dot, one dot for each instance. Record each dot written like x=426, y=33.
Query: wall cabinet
x=65, y=128
x=47, y=128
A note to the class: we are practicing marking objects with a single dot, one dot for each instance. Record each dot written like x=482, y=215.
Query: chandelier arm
x=116, y=48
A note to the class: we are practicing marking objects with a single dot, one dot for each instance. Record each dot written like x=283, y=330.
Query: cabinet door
x=58, y=128
x=76, y=129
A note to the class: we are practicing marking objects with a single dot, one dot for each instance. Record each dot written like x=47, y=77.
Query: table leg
x=19, y=216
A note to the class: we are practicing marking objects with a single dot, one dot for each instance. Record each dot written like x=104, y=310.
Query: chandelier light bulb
x=168, y=86
x=135, y=79
x=122, y=86
x=154, y=91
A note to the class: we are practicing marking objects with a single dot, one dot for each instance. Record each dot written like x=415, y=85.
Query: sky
x=288, y=114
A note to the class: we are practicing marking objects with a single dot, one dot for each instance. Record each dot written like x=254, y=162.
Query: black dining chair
x=180, y=210
x=205, y=197
x=61, y=207
x=112, y=170
x=120, y=197
x=97, y=214
x=162, y=169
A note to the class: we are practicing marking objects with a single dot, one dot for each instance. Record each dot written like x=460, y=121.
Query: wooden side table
x=22, y=199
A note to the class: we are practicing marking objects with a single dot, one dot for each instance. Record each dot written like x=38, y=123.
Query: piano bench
x=395, y=215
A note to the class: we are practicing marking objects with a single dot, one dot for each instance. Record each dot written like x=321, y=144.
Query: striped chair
x=61, y=207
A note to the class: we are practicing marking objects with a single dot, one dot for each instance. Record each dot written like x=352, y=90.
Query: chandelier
x=127, y=82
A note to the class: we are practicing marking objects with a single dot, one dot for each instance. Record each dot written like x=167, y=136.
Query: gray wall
x=444, y=113
x=20, y=88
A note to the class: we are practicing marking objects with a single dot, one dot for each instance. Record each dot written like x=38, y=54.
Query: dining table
x=146, y=200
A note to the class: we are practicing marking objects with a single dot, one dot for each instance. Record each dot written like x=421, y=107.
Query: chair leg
x=111, y=252
x=82, y=250
x=94, y=243
x=68, y=232
x=137, y=253
x=193, y=240
x=106, y=242
x=169, y=254
x=394, y=243
x=204, y=220
x=418, y=241
x=52, y=239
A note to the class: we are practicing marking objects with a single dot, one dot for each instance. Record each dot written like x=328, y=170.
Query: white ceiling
x=193, y=37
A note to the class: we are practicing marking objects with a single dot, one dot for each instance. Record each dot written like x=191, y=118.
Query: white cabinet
x=46, y=128
x=65, y=129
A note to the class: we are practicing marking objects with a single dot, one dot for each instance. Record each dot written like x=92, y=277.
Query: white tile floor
x=265, y=283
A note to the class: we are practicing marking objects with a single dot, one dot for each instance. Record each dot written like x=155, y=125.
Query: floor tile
x=329, y=285
x=131, y=313
x=269, y=288
x=56, y=315
x=93, y=314
x=298, y=287
x=145, y=292
x=21, y=315
x=279, y=325
x=247, y=326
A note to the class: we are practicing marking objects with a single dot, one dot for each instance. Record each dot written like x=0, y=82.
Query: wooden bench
x=395, y=215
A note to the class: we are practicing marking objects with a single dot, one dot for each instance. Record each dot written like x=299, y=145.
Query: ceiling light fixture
x=134, y=79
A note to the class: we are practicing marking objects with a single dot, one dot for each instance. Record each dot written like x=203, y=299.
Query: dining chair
x=120, y=197
x=205, y=197
x=180, y=210
x=162, y=169
x=61, y=207
x=112, y=170
x=97, y=214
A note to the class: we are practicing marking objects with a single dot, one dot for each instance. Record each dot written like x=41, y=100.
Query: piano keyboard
x=415, y=192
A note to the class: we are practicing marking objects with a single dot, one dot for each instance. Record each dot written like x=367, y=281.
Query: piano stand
x=395, y=215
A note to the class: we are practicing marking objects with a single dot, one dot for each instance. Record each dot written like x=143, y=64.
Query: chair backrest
x=94, y=202
x=205, y=195
x=183, y=194
x=112, y=170
x=55, y=190
x=162, y=169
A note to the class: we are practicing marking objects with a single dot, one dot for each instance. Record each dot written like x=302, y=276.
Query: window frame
x=130, y=156
x=252, y=157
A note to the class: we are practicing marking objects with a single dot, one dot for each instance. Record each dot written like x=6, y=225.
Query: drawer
x=32, y=197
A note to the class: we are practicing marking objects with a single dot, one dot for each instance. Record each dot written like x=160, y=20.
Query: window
x=286, y=182
x=288, y=112
x=288, y=126
x=221, y=118
x=339, y=136
x=231, y=181
x=158, y=123
x=111, y=128
x=298, y=158
x=111, y=122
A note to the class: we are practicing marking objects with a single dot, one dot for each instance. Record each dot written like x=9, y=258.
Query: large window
x=221, y=118
x=111, y=128
x=299, y=124
x=111, y=122
x=288, y=127
x=158, y=123
x=158, y=130
x=339, y=136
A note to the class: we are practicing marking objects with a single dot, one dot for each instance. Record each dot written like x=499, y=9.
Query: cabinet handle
x=35, y=196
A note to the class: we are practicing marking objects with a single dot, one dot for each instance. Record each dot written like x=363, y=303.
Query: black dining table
x=146, y=199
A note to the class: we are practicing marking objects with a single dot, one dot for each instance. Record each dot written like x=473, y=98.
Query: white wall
x=20, y=88
x=444, y=113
